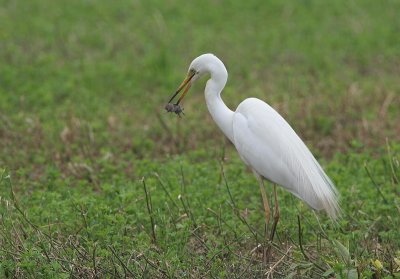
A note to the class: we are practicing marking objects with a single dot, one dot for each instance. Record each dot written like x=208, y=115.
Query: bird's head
x=199, y=66
x=202, y=65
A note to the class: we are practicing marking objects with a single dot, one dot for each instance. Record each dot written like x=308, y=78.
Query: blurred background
x=330, y=68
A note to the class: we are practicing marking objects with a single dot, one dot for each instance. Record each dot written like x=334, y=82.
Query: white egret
x=265, y=142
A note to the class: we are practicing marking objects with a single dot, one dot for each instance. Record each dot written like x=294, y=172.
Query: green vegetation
x=96, y=180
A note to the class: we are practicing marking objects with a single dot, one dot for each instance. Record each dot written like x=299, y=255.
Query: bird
x=265, y=141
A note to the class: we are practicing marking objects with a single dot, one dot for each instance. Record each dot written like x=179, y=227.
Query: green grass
x=82, y=90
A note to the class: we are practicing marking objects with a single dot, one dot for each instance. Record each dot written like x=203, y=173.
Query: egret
x=265, y=142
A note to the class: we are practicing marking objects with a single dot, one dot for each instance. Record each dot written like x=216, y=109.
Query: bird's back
x=267, y=143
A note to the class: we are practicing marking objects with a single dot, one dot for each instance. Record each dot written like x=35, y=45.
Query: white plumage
x=264, y=140
x=267, y=143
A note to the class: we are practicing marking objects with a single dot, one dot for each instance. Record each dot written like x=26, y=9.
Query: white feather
x=267, y=143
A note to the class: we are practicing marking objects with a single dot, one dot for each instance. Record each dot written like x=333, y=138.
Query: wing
x=267, y=143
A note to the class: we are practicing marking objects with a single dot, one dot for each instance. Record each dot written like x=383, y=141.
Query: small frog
x=174, y=108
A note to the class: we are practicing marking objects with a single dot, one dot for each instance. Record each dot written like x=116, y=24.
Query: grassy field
x=97, y=181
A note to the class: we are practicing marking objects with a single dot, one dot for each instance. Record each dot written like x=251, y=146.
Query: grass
x=97, y=181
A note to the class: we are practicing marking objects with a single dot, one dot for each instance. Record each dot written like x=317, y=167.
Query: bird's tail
x=328, y=196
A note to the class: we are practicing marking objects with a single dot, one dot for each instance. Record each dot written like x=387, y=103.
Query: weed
x=82, y=90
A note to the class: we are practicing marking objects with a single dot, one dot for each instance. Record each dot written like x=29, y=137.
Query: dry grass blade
x=149, y=210
x=126, y=269
x=378, y=188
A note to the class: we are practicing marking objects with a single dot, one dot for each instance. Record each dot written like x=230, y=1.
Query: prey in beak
x=170, y=107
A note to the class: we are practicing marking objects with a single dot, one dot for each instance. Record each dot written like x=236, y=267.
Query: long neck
x=221, y=114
